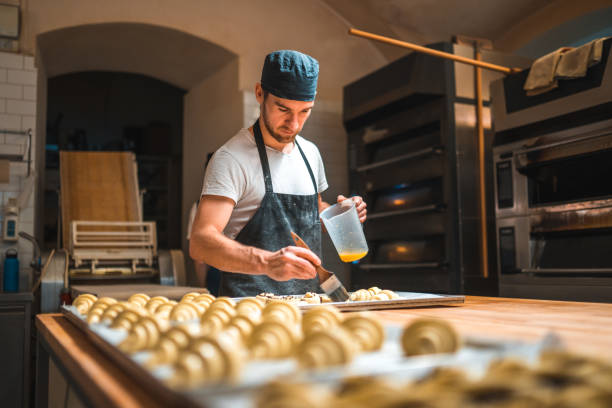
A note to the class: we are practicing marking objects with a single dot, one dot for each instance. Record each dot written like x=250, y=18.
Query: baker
x=264, y=183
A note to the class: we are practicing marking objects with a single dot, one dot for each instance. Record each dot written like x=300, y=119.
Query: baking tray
x=388, y=363
x=162, y=393
x=407, y=300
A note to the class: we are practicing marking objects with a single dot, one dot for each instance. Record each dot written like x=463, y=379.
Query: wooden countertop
x=584, y=328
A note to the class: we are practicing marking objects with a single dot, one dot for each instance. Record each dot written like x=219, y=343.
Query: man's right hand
x=292, y=263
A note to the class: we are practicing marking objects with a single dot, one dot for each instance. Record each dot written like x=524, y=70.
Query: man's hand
x=359, y=204
x=292, y=263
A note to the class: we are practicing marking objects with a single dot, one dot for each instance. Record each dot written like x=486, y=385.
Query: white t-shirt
x=235, y=172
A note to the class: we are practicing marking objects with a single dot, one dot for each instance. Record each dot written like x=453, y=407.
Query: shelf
x=409, y=265
x=435, y=150
x=415, y=210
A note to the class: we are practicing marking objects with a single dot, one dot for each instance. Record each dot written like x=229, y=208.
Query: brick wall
x=18, y=112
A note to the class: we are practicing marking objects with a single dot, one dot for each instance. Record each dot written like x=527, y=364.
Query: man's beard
x=281, y=138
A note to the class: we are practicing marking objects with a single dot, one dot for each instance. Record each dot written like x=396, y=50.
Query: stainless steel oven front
x=553, y=207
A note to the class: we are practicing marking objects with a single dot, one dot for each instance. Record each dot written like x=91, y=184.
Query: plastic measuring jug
x=345, y=230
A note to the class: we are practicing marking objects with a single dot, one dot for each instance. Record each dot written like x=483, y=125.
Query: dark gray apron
x=270, y=228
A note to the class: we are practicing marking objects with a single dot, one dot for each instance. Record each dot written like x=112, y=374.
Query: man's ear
x=259, y=93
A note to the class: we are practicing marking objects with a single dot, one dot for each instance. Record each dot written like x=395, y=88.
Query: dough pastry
x=250, y=307
x=273, y=339
x=144, y=334
x=282, y=312
x=216, y=318
x=163, y=311
x=95, y=312
x=368, y=332
x=241, y=327
x=171, y=343
x=311, y=297
x=111, y=312
x=204, y=299
x=280, y=394
x=327, y=348
x=189, y=296
x=84, y=302
x=391, y=294
x=139, y=299
x=360, y=295
x=155, y=302
x=427, y=336
x=320, y=318
x=374, y=290
x=381, y=296
x=185, y=311
x=223, y=299
x=127, y=318
x=208, y=359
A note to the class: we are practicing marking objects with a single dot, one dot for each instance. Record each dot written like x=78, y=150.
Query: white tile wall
x=17, y=112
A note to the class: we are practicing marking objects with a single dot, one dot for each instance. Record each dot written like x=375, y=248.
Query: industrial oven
x=412, y=154
x=552, y=161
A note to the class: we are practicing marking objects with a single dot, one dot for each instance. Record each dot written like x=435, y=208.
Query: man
x=264, y=183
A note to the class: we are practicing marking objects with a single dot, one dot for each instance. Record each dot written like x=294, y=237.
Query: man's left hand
x=360, y=205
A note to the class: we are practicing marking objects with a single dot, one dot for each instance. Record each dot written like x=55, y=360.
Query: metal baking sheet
x=407, y=300
x=388, y=362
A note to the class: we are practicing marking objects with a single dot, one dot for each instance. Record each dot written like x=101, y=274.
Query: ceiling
x=429, y=21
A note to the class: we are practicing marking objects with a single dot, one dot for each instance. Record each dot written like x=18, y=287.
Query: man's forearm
x=215, y=249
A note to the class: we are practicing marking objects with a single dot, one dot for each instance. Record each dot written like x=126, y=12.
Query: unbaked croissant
x=111, y=312
x=251, y=307
x=139, y=299
x=189, y=296
x=153, y=303
x=127, y=318
x=360, y=295
x=185, y=311
x=282, y=312
x=163, y=310
x=84, y=302
x=320, y=318
x=216, y=317
x=144, y=334
x=368, y=332
x=426, y=336
x=273, y=339
x=208, y=359
x=95, y=312
x=327, y=348
x=241, y=327
x=171, y=343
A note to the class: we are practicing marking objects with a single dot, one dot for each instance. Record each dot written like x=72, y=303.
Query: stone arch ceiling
x=169, y=55
x=505, y=22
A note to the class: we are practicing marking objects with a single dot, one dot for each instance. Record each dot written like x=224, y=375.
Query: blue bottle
x=11, y=271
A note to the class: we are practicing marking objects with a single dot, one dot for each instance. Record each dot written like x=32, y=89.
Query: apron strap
x=312, y=177
x=265, y=166
x=263, y=157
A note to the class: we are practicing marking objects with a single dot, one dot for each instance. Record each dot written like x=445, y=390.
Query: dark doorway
x=114, y=111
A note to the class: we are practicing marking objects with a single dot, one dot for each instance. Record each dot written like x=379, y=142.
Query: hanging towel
x=564, y=63
x=574, y=63
x=541, y=77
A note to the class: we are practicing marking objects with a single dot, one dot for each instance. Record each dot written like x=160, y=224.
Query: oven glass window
x=581, y=178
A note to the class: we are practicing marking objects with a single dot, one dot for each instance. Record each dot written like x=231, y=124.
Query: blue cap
x=291, y=75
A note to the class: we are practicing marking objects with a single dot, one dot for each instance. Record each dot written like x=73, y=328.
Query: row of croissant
x=231, y=333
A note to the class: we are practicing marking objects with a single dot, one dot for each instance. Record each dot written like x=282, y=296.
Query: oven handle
x=607, y=132
x=567, y=270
